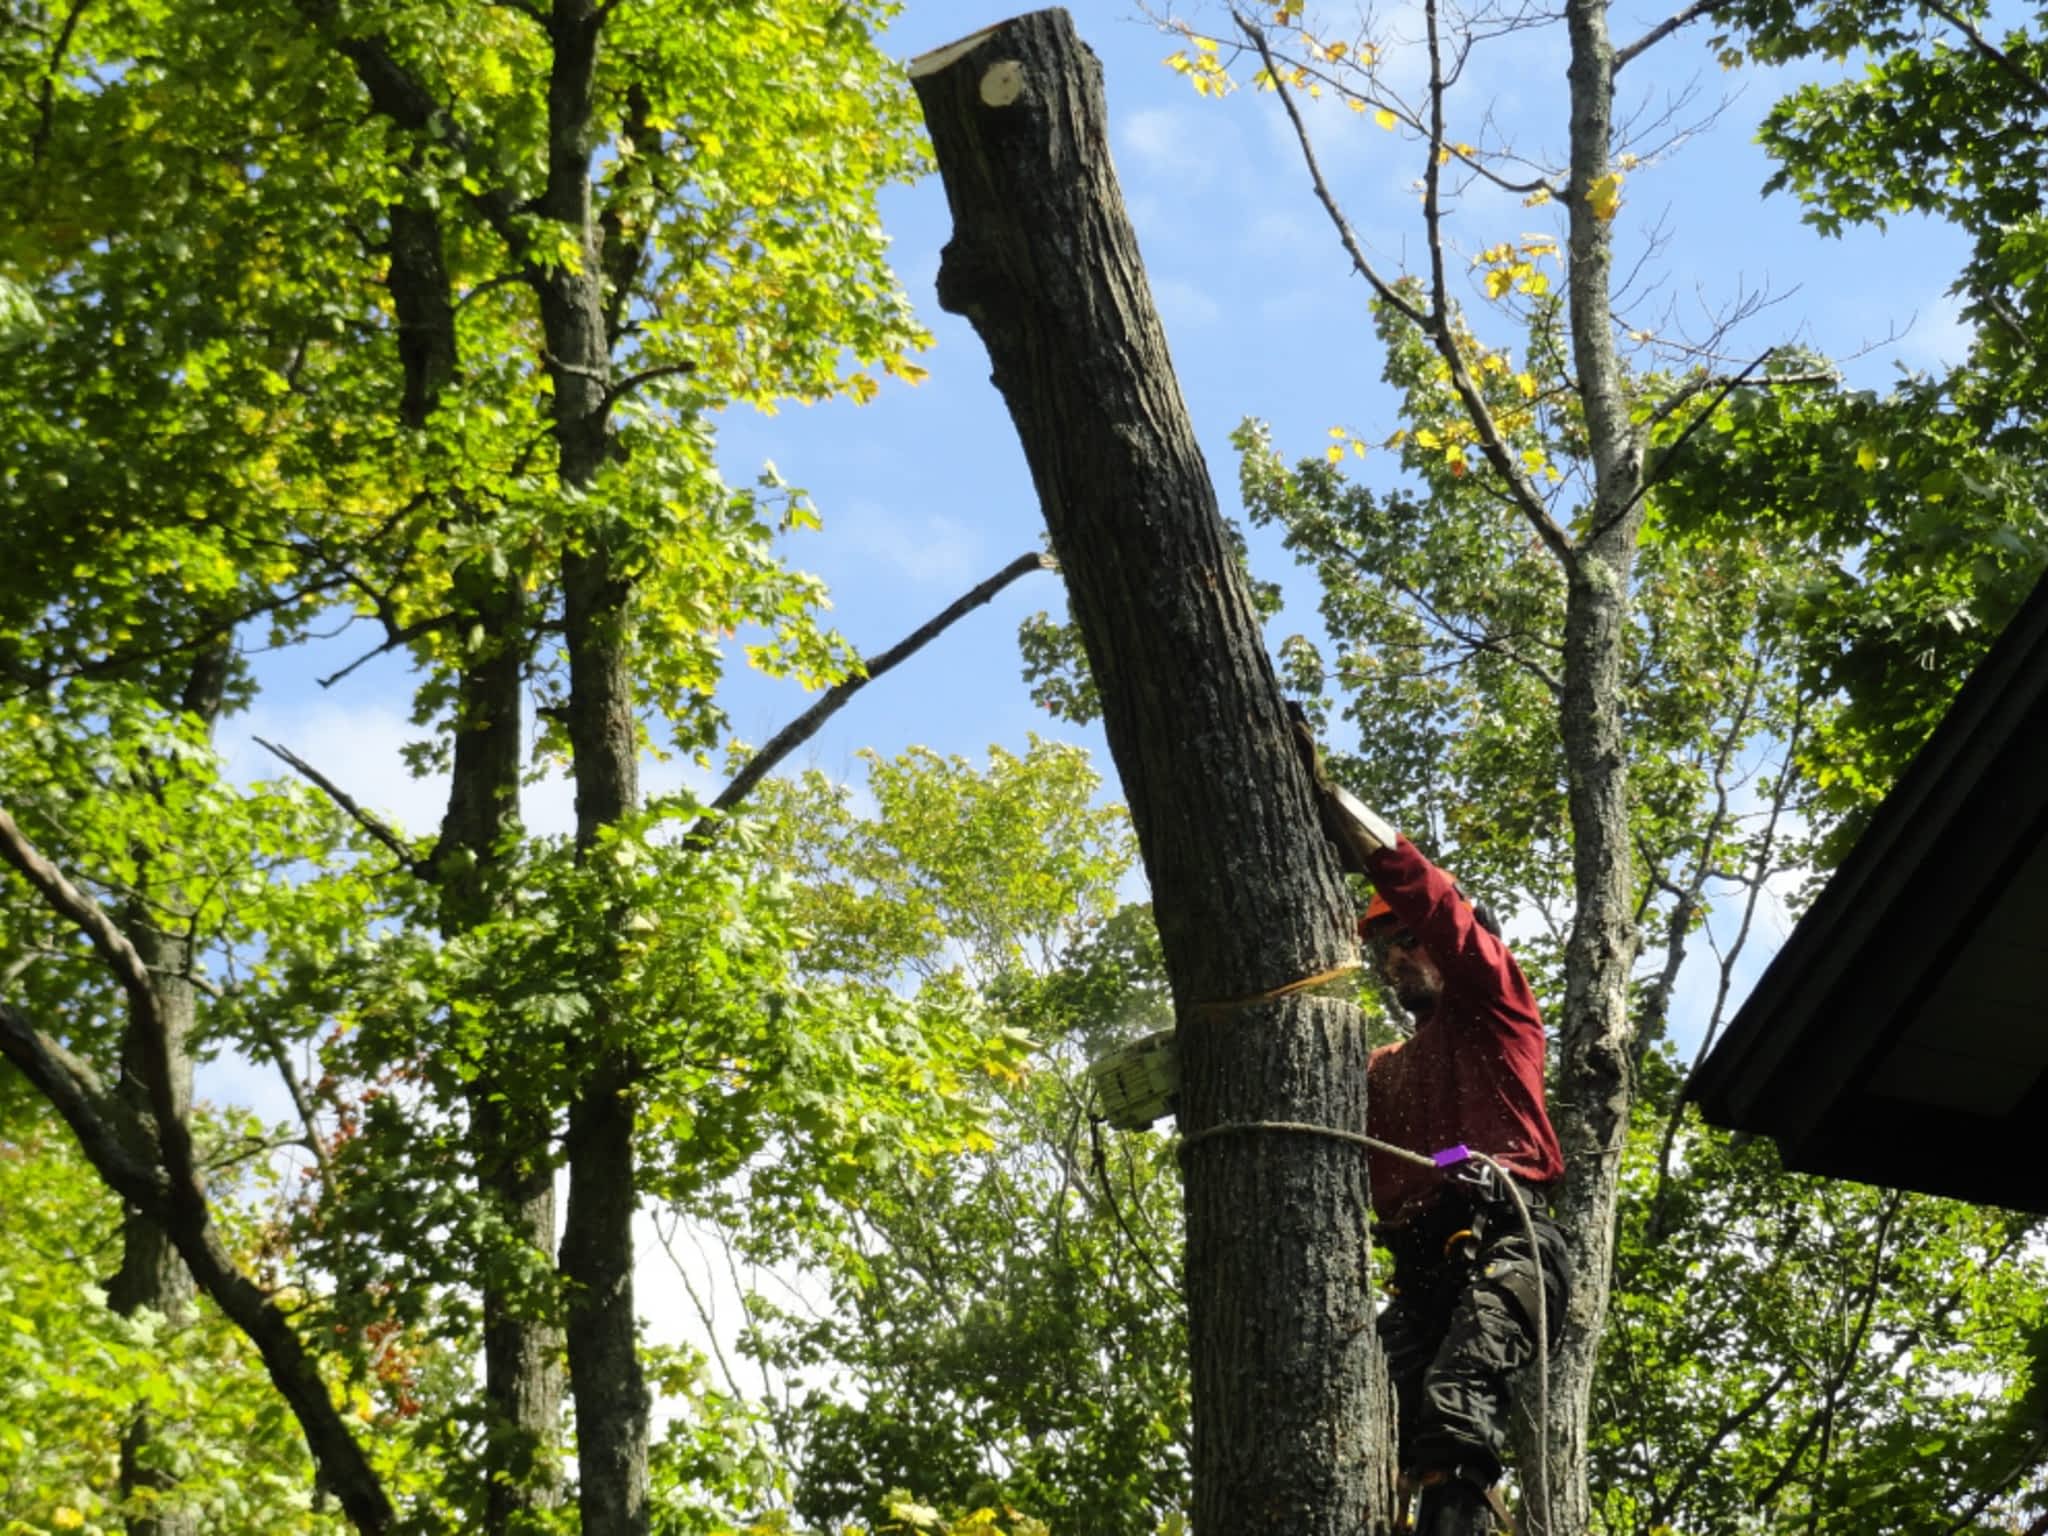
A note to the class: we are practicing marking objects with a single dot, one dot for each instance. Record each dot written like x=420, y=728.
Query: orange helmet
x=1376, y=911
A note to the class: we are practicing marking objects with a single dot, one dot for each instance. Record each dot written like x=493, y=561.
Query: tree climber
x=1463, y=1316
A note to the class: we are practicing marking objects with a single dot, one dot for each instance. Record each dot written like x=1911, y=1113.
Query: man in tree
x=1466, y=1282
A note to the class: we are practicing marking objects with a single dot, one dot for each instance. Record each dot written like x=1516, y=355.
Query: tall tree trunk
x=1292, y=1411
x=509, y=1139
x=152, y=1276
x=612, y=1403
x=1596, y=1078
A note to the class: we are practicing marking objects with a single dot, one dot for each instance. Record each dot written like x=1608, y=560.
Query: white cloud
x=936, y=550
x=1167, y=141
x=355, y=745
x=1938, y=337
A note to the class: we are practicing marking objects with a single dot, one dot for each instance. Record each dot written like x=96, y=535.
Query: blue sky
x=924, y=491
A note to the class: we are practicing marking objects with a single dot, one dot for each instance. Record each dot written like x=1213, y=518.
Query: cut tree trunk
x=1292, y=1414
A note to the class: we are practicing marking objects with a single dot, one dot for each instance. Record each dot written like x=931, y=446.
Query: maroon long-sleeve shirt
x=1472, y=1073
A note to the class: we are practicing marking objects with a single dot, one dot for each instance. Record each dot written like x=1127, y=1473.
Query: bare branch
x=394, y=638
x=1527, y=499
x=1386, y=290
x=1664, y=29
x=633, y=381
x=368, y=820
x=807, y=724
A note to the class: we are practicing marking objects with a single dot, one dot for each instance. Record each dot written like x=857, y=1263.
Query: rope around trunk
x=1448, y=1158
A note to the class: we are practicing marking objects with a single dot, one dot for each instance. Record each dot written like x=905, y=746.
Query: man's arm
x=1423, y=897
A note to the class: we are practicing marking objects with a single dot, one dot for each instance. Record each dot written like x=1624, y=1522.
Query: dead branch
x=807, y=724
x=368, y=820
x=1662, y=30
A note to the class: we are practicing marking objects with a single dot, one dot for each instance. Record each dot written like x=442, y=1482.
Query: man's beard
x=1418, y=997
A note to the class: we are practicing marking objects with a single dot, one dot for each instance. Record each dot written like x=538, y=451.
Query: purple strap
x=1450, y=1157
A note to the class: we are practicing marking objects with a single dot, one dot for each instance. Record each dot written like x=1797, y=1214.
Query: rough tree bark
x=509, y=1139
x=1595, y=1074
x=1292, y=1414
x=152, y=1276
x=610, y=1389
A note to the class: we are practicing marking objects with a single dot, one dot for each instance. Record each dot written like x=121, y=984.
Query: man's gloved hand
x=1355, y=829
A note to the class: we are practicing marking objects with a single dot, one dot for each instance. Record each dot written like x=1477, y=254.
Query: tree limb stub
x=1290, y=1428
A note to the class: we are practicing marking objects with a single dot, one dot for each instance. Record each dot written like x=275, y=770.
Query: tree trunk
x=509, y=1138
x=612, y=1404
x=1596, y=1079
x=152, y=1275
x=1292, y=1414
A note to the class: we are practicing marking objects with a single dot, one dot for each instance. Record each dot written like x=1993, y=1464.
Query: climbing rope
x=1449, y=1157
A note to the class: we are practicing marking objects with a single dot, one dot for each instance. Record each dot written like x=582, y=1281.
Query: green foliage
x=273, y=324
x=1788, y=1351
x=1005, y=1328
x=1902, y=539
x=73, y=1373
x=1923, y=505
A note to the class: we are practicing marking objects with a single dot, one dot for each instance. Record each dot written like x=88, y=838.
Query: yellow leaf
x=1335, y=453
x=1498, y=282
x=1385, y=119
x=1603, y=197
x=1177, y=62
x=1339, y=432
x=65, y=1518
x=1866, y=456
x=1354, y=103
x=1336, y=50
x=496, y=73
x=1427, y=438
x=1202, y=85
x=1206, y=44
x=1358, y=447
x=1526, y=383
x=1537, y=198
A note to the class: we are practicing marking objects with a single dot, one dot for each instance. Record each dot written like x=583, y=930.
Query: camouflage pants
x=1462, y=1322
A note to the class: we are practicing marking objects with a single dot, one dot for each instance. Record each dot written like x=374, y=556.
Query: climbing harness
x=1449, y=1157
x=1140, y=1083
